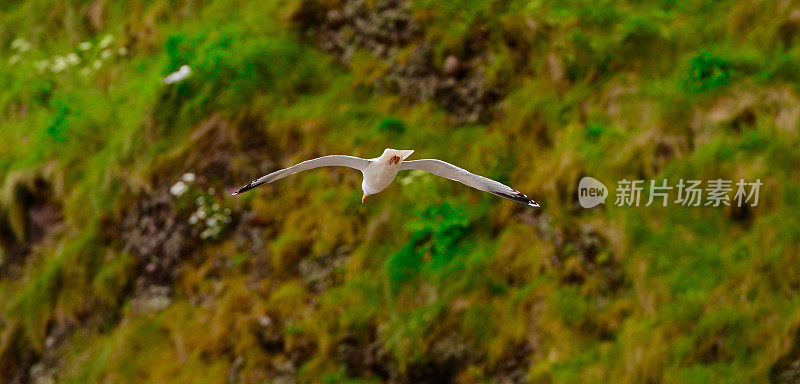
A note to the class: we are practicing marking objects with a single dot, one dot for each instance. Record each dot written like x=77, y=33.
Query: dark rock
x=788, y=30
x=379, y=27
x=159, y=238
x=17, y=356
x=269, y=335
x=787, y=369
x=584, y=254
x=513, y=368
x=469, y=98
x=789, y=374
x=383, y=28
x=440, y=364
x=42, y=217
x=451, y=65
x=364, y=357
x=319, y=273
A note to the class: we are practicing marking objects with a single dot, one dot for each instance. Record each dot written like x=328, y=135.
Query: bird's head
x=365, y=188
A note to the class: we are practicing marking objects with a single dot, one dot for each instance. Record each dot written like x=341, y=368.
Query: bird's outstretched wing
x=450, y=171
x=325, y=161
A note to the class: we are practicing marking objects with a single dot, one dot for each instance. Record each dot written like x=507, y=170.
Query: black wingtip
x=244, y=189
x=519, y=198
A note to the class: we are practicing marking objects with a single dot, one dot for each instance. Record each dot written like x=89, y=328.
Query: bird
x=380, y=172
x=178, y=75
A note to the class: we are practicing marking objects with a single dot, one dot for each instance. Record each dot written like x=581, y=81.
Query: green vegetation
x=111, y=272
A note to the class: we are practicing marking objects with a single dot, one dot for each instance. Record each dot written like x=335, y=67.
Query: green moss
x=113, y=278
x=391, y=125
x=33, y=304
x=434, y=242
x=708, y=72
x=570, y=306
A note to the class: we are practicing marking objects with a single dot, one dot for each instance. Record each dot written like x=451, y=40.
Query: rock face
x=319, y=273
x=380, y=27
x=789, y=374
x=385, y=28
x=787, y=369
x=39, y=215
x=440, y=365
x=364, y=357
x=514, y=367
x=159, y=239
x=461, y=89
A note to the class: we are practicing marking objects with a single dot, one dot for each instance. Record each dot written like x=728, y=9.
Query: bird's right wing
x=325, y=161
x=450, y=171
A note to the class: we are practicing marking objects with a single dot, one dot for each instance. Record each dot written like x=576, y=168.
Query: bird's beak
x=363, y=198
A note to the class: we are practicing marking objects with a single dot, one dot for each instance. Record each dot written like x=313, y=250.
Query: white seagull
x=178, y=75
x=381, y=171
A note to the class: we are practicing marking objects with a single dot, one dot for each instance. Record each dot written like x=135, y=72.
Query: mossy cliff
x=122, y=258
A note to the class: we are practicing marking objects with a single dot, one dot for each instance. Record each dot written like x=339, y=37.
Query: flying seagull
x=381, y=171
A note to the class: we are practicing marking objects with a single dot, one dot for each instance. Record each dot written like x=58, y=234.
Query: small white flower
x=105, y=54
x=211, y=191
x=59, y=64
x=189, y=177
x=193, y=220
x=183, y=72
x=212, y=222
x=85, y=46
x=215, y=207
x=178, y=189
x=200, y=200
x=85, y=71
x=13, y=59
x=122, y=51
x=21, y=45
x=201, y=213
x=97, y=64
x=107, y=39
x=72, y=59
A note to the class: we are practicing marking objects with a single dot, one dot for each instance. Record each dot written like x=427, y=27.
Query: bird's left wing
x=325, y=161
x=450, y=171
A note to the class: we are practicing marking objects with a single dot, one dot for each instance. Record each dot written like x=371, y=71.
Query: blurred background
x=124, y=260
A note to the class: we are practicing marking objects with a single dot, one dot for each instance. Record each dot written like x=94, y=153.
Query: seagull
x=178, y=75
x=381, y=171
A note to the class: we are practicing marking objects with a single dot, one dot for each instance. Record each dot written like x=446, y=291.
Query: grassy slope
x=700, y=296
